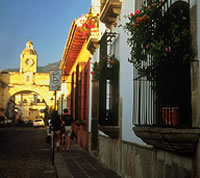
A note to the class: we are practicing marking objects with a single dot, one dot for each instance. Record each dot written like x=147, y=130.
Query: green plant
x=156, y=36
x=92, y=21
x=107, y=65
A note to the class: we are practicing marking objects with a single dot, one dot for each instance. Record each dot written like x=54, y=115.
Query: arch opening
x=26, y=106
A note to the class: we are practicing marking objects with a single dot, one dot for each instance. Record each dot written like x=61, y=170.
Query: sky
x=45, y=22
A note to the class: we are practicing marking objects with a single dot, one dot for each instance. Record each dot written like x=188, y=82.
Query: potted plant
x=107, y=65
x=90, y=25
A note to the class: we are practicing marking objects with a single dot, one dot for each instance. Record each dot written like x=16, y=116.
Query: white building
x=132, y=132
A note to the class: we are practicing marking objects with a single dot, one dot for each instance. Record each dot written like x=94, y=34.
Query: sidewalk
x=78, y=163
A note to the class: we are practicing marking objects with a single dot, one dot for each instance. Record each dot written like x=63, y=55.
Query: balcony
x=162, y=115
x=93, y=40
x=110, y=11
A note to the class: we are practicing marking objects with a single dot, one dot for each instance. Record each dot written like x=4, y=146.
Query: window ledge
x=111, y=131
x=177, y=140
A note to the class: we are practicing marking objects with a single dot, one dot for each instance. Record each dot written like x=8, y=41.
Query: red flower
x=131, y=14
x=168, y=49
x=90, y=26
x=137, y=12
x=92, y=72
x=112, y=61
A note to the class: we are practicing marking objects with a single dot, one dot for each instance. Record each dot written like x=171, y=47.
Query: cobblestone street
x=24, y=153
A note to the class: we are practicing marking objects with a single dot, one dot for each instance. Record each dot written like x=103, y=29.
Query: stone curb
x=61, y=167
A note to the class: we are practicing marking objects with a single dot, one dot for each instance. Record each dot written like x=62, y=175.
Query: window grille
x=167, y=97
x=108, y=87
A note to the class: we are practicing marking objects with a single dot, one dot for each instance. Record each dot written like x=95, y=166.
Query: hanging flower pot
x=107, y=67
x=90, y=26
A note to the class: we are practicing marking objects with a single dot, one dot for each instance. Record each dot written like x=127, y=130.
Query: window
x=81, y=93
x=108, y=87
x=163, y=104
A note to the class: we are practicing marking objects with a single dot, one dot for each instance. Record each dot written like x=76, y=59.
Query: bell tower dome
x=28, y=59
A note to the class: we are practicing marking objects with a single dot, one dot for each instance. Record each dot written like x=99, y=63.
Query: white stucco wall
x=93, y=59
x=95, y=5
x=126, y=76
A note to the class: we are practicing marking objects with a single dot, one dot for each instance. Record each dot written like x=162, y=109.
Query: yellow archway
x=42, y=91
x=27, y=79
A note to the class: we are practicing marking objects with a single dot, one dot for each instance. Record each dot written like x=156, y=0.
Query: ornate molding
x=92, y=44
x=93, y=40
x=110, y=12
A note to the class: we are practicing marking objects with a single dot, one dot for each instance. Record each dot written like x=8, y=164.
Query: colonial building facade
x=140, y=124
x=75, y=65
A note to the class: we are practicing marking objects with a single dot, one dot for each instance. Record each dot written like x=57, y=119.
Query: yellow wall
x=16, y=83
x=83, y=56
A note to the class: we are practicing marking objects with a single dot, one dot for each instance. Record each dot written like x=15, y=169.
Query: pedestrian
x=56, y=128
x=62, y=130
x=67, y=121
